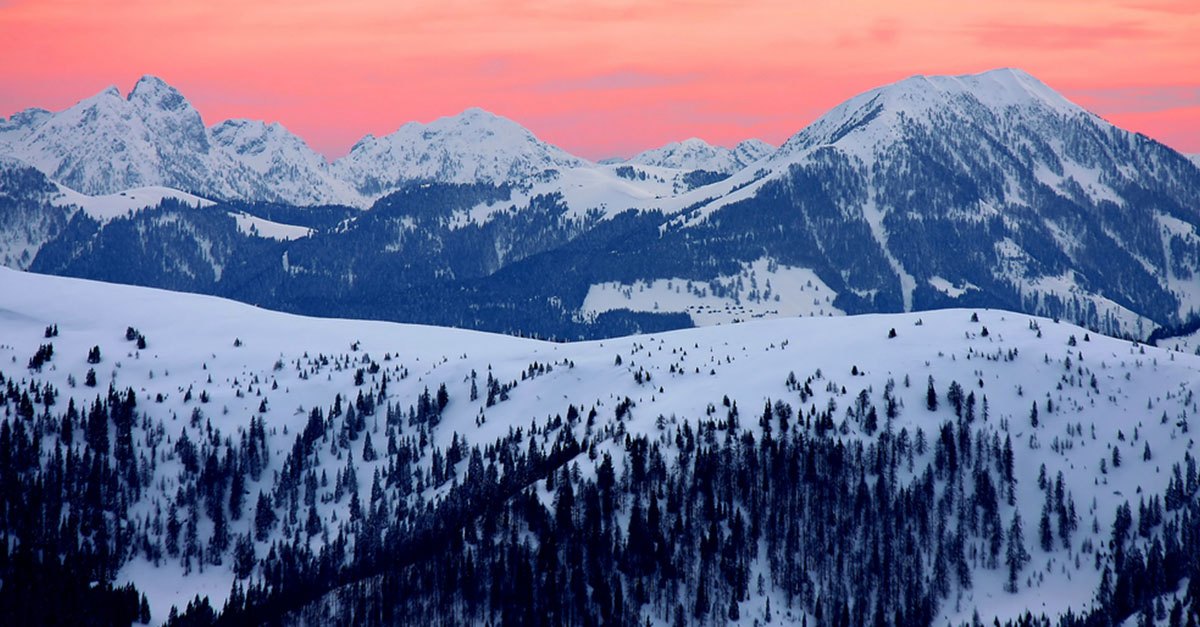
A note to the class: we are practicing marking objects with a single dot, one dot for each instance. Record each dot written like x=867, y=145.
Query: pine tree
x=1015, y=556
x=264, y=518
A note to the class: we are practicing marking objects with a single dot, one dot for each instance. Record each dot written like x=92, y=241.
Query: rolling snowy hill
x=307, y=469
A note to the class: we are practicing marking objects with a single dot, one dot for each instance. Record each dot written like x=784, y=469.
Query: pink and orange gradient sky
x=597, y=77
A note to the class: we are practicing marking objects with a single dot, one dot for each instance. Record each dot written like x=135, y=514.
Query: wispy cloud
x=1047, y=36
x=1173, y=7
x=624, y=79
x=1137, y=99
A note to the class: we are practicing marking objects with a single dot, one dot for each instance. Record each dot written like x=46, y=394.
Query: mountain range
x=980, y=190
x=154, y=136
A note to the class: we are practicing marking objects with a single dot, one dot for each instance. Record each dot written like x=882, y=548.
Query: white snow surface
x=109, y=206
x=948, y=288
x=192, y=337
x=261, y=227
x=763, y=289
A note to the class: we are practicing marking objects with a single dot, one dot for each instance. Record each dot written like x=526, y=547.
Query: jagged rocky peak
x=19, y=125
x=152, y=91
x=697, y=154
x=751, y=150
x=167, y=112
x=256, y=137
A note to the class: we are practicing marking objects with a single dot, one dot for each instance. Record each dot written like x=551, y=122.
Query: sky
x=598, y=78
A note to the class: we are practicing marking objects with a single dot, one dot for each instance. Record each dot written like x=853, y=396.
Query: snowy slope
x=696, y=154
x=261, y=227
x=109, y=206
x=240, y=356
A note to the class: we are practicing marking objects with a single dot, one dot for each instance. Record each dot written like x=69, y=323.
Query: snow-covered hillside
x=109, y=206
x=214, y=373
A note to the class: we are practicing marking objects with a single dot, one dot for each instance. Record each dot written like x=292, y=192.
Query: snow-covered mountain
x=696, y=154
x=474, y=146
x=108, y=143
x=285, y=163
x=238, y=448
x=948, y=189
x=154, y=137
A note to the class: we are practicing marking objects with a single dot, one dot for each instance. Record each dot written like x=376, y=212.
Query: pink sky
x=597, y=77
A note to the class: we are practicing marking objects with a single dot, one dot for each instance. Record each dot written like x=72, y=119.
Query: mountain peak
x=478, y=118
x=696, y=154
x=881, y=113
x=477, y=113
x=154, y=92
x=999, y=87
x=473, y=146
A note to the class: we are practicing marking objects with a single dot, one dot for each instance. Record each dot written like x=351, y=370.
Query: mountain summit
x=696, y=154
x=874, y=118
x=473, y=146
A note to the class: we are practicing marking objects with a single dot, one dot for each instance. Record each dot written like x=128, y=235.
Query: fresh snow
x=763, y=289
x=260, y=227
x=109, y=206
x=948, y=288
